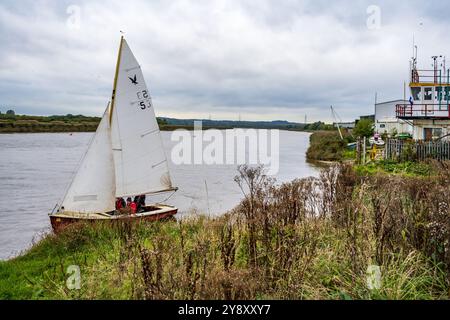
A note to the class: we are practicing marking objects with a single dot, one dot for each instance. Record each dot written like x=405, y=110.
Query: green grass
x=111, y=268
x=349, y=154
x=408, y=168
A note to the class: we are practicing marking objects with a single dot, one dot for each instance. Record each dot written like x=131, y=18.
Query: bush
x=364, y=128
x=326, y=146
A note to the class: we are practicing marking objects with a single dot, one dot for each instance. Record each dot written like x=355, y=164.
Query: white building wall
x=386, y=120
x=421, y=125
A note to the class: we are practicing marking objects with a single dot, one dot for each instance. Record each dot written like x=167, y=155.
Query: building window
x=382, y=126
x=428, y=94
x=416, y=93
x=437, y=133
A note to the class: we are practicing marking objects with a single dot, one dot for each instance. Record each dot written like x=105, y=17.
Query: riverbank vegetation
x=12, y=123
x=328, y=146
x=312, y=238
x=406, y=168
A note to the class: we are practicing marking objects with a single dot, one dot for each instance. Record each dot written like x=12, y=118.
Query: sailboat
x=125, y=157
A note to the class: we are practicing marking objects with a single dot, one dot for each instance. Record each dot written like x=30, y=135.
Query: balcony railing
x=422, y=111
x=436, y=77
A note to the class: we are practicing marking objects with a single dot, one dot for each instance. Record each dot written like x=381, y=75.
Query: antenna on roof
x=414, y=54
x=435, y=67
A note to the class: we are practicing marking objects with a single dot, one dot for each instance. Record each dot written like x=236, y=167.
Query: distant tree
x=394, y=132
x=364, y=128
x=319, y=125
x=10, y=113
x=313, y=126
x=161, y=121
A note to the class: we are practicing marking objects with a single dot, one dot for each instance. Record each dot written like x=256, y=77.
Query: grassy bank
x=67, y=123
x=30, y=124
x=407, y=168
x=327, y=146
x=281, y=242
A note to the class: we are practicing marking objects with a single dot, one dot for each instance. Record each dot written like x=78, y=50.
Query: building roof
x=384, y=102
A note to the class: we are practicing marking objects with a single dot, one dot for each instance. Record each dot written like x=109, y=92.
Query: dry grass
x=307, y=239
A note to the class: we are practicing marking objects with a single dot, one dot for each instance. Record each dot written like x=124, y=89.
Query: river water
x=35, y=170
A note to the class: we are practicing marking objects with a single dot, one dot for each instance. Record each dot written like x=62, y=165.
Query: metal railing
x=440, y=111
x=436, y=77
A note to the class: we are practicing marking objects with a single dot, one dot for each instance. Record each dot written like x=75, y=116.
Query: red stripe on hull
x=59, y=223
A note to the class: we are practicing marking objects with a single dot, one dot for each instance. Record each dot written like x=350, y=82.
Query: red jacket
x=133, y=207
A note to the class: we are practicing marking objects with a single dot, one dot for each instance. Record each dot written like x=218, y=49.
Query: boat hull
x=162, y=212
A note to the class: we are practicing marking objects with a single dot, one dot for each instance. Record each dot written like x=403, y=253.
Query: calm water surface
x=35, y=170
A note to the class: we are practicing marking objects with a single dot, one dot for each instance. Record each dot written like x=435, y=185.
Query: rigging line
x=170, y=196
x=159, y=163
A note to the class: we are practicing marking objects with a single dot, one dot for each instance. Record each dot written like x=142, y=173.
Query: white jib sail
x=139, y=159
x=93, y=187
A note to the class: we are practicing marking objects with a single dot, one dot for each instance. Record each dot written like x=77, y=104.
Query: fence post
x=364, y=151
x=386, y=149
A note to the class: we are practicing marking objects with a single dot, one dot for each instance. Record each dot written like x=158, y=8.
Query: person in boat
x=137, y=202
x=141, y=205
x=131, y=205
x=120, y=203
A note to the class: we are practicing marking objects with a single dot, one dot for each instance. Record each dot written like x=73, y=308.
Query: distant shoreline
x=70, y=129
x=79, y=123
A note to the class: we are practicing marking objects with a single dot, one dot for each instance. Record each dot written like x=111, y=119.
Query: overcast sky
x=261, y=59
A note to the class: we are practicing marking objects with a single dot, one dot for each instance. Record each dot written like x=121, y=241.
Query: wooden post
x=364, y=151
x=386, y=148
x=358, y=150
x=207, y=198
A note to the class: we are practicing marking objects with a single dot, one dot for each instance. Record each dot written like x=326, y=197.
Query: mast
x=337, y=123
x=113, y=97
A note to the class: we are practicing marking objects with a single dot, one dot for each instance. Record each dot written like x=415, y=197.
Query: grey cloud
x=282, y=59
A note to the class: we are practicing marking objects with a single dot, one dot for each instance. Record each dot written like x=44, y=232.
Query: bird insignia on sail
x=133, y=80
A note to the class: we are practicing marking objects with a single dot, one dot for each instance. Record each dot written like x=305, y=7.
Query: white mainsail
x=93, y=188
x=126, y=155
x=139, y=159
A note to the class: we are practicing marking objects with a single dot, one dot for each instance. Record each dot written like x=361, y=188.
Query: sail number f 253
x=146, y=103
